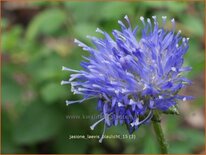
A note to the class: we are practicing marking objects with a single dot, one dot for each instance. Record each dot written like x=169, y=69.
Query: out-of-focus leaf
x=195, y=137
x=39, y=122
x=75, y=126
x=47, y=22
x=194, y=58
x=65, y=145
x=97, y=150
x=172, y=124
x=150, y=146
x=11, y=91
x=189, y=140
x=177, y=7
x=88, y=11
x=194, y=25
x=62, y=46
x=4, y=23
x=8, y=145
x=81, y=30
x=171, y=6
x=115, y=10
x=11, y=39
x=52, y=92
x=179, y=148
x=44, y=69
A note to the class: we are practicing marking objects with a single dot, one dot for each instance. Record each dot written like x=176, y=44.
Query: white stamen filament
x=148, y=20
x=102, y=137
x=96, y=123
x=174, y=69
x=142, y=18
x=164, y=20
x=154, y=17
x=120, y=104
x=173, y=20
x=64, y=82
x=164, y=17
x=160, y=97
x=145, y=86
x=173, y=24
x=136, y=122
x=100, y=31
x=148, y=116
x=184, y=99
x=68, y=69
x=77, y=101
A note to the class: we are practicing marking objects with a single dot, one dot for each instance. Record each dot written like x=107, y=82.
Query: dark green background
x=37, y=39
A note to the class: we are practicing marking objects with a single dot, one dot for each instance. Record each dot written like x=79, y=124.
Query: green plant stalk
x=159, y=133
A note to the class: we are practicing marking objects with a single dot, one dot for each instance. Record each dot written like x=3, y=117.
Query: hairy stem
x=159, y=134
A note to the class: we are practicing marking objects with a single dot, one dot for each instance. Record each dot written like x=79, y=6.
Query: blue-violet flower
x=131, y=78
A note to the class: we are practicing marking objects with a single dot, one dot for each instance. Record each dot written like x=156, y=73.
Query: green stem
x=159, y=134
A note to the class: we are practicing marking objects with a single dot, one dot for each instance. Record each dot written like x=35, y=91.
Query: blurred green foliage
x=33, y=101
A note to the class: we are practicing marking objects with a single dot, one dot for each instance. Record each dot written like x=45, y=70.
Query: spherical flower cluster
x=131, y=78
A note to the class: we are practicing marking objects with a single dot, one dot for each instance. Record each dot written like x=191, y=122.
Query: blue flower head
x=131, y=78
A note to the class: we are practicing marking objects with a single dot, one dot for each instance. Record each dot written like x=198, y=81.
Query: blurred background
x=37, y=40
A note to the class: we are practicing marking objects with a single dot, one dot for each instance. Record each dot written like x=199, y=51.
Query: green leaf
x=52, y=92
x=189, y=139
x=44, y=68
x=39, y=122
x=81, y=30
x=8, y=144
x=195, y=58
x=47, y=22
x=179, y=148
x=4, y=23
x=115, y=10
x=172, y=124
x=11, y=91
x=11, y=39
x=194, y=25
x=87, y=13
x=65, y=145
x=150, y=146
x=195, y=137
x=171, y=6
